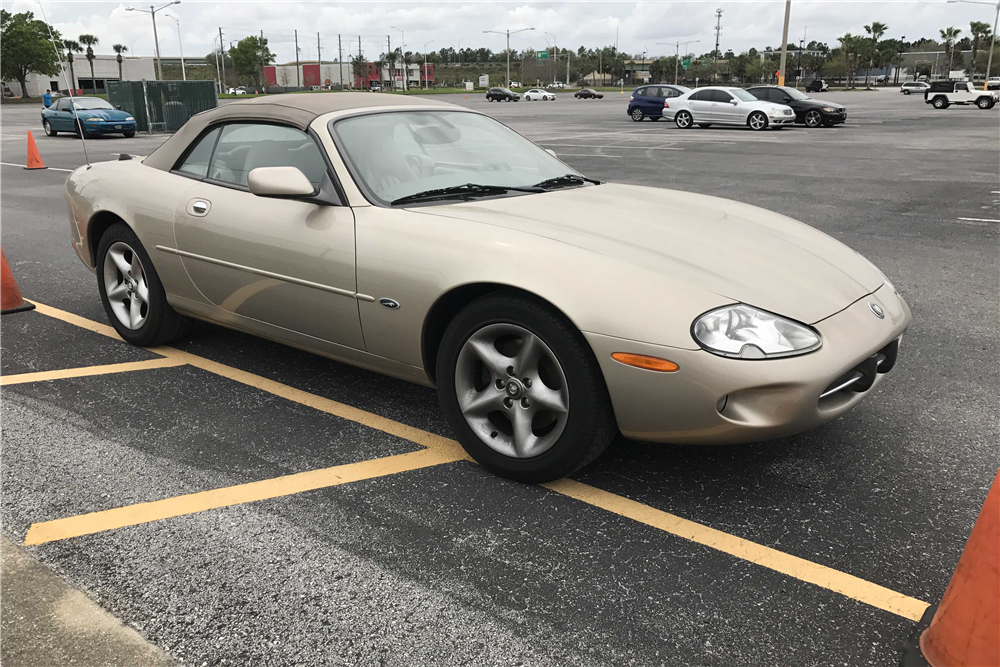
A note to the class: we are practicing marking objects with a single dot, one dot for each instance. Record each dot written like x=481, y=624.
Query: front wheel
x=637, y=114
x=131, y=291
x=82, y=131
x=984, y=102
x=757, y=121
x=128, y=135
x=683, y=119
x=49, y=132
x=813, y=118
x=939, y=103
x=522, y=390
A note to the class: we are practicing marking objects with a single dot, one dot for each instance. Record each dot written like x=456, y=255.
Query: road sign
x=686, y=63
x=542, y=55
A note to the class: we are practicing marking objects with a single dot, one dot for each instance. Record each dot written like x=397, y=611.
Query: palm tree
x=980, y=33
x=90, y=41
x=949, y=35
x=876, y=30
x=71, y=46
x=119, y=49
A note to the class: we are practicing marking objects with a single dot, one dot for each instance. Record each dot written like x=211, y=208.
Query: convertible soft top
x=297, y=110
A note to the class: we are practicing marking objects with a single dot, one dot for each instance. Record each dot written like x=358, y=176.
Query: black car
x=817, y=86
x=501, y=95
x=808, y=111
x=588, y=93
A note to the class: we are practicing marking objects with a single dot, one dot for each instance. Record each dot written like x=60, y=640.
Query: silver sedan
x=721, y=105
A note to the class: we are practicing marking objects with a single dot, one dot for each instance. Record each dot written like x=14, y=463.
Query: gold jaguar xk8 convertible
x=432, y=243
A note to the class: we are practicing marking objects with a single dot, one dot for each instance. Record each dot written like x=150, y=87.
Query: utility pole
x=509, y=33
x=718, y=30
x=784, y=44
x=677, y=53
x=388, y=54
x=222, y=49
x=340, y=63
x=298, y=77
x=319, y=62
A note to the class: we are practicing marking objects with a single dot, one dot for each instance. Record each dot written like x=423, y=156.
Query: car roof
x=290, y=109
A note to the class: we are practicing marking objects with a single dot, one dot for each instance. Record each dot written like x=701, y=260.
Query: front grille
x=862, y=377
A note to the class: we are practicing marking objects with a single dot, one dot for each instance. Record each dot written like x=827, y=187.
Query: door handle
x=199, y=207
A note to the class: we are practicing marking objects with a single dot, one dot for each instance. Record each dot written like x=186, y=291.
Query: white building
x=105, y=69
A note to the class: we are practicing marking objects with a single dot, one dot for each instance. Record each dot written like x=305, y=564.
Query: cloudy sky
x=640, y=25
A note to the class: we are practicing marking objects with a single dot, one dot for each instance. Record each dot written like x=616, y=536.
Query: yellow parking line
x=792, y=566
x=43, y=376
x=131, y=515
x=439, y=450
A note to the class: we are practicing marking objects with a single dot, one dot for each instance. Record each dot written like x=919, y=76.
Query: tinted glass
x=790, y=92
x=196, y=163
x=243, y=147
x=701, y=95
x=720, y=96
x=671, y=92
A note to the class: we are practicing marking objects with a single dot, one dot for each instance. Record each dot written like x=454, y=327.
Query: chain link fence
x=162, y=106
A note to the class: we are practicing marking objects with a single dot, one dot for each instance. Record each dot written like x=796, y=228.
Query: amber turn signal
x=642, y=361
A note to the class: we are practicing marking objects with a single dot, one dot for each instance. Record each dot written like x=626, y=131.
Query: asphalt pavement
x=448, y=565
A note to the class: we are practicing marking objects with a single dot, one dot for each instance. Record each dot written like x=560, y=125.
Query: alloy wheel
x=47, y=128
x=813, y=119
x=512, y=390
x=126, y=286
x=683, y=119
x=637, y=114
x=757, y=121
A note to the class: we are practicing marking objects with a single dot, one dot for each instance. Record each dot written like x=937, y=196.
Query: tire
x=81, y=131
x=637, y=114
x=813, y=118
x=49, y=132
x=906, y=92
x=683, y=119
x=128, y=135
x=939, y=103
x=984, y=102
x=161, y=323
x=757, y=121
x=704, y=125
x=568, y=438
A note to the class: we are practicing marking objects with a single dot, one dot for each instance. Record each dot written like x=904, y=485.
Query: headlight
x=777, y=110
x=92, y=120
x=828, y=109
x=129, y=118
x=746, y=332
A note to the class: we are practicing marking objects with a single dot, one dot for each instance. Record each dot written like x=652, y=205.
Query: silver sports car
x=432, y=243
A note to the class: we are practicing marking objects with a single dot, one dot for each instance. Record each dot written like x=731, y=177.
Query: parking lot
x=284, y=509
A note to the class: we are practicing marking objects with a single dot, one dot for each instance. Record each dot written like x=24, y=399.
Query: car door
x=287, y=263
x=724, y=110
x=963, y=93
x=61, y=117
x=650, y=101
x=700, y=103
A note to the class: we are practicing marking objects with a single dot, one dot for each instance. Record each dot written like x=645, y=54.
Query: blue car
x=88, y=116
x=647, y=101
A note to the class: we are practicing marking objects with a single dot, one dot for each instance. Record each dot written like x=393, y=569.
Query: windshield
x=742, y=95
x=398, y=154
x=91, y=103
x=794, y=94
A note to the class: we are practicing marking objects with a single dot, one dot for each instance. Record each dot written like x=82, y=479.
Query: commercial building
x=341, y=75
x=105, y=69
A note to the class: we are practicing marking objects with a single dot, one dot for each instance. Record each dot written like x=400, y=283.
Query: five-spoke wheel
x=683, y=119
x=757, y=121
x=125, y=282
x=813, y=118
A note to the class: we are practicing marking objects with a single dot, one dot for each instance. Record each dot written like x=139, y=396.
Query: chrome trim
x=260, y=272
x=845, y=385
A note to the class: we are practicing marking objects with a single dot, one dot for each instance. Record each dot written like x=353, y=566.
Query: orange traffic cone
x=11, y=300
x=964, y=629
x=34, y=159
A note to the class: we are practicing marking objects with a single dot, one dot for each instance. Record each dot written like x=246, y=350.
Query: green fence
x=162, y=106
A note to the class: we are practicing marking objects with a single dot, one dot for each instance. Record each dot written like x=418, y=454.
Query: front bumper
x=716, y=400
x=109, y=127
x=781, y=119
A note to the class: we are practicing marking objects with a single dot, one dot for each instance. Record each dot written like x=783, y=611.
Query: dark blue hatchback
x=647, y=101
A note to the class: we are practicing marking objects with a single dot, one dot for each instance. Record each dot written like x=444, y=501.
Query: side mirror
x=733, y=101
x=279, y=182
x=118, y=106
x=787, y=99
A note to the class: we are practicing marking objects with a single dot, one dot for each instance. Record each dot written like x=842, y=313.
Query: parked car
x=817, y=86
x=721, y=105
x=242, y=90
x=375, y=86
x=647, y=101
x=557, y=84
x=942, y=94
x=86, y=116
x=588, y=94
x=501, y=95
x=766, y=326
x=993, y=83
x=538, y=94
x=909, y=87
x=809, y=112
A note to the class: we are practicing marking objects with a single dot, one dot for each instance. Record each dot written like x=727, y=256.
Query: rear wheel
x=813, y=118
x=522, y=390
x=131, y=292
x=906, y=92
x=939, y=103
x=757, y=121
x=683, y=120
x=637, y=114
x=49, y=132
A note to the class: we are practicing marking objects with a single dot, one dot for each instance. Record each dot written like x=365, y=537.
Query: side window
x=62, y=105
x=196, y=162
x=670, y=92
x=720, y=96
x=244, y=147
x=700, y=96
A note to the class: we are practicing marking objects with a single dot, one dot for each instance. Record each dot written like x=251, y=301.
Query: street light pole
x=402, y=56
x=784, y=44
x=152, y=12
x=508, y=33
x=993, y=40
x=180, y=43
x=425, y=62
x=677, y=53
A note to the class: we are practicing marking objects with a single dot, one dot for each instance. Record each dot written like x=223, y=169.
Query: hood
x=737, y=251
x=820, y=103
x=106, y=114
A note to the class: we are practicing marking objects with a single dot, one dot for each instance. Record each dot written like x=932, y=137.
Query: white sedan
x=722, y=105
x=539, y=94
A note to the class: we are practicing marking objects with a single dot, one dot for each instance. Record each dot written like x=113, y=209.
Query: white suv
x=942, y=94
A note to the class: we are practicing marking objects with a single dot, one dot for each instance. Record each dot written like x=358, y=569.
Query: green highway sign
x=686, y=63
x=542, y=55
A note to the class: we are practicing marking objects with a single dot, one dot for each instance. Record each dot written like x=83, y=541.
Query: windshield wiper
x=467, y=191
x=565, y=181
